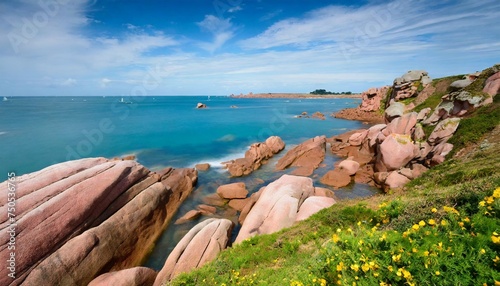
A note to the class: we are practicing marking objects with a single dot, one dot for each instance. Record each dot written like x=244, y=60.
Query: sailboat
x=5, y=98
x=122, y=101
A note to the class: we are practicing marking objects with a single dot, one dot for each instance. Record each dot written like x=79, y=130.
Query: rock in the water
x=190, y=215
x=357, y=139
x=395, y=152
x=233, y=191
x=277, y=206
x=238, y=204
x=199, y=246
x=349, y=166
x=202, y=166
x=257, y=155
x=84, y=208
x=336, y=178
x=201, y=105
x=137, y=276
x=318, y=115
x=313, y=205
x=307, y=156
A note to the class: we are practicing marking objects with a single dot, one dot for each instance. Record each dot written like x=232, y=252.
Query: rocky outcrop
x=75, y=218
x=201, y=105
x=372, y=97
x=137, y=276
x=336, y=178
x=492, y=85
x=313, y=205
x=199, y=246
x=256, y=156
x=306, y=156
x=455, y=104
x=409, y=84
x=278, y=205
x=318, y=115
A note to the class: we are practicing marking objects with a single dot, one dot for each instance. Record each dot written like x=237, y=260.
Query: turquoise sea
x=162, y=131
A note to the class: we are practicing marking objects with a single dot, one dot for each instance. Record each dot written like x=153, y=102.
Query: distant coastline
x=295, y=95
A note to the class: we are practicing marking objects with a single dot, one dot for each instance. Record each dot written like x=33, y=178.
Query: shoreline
x=295, y=95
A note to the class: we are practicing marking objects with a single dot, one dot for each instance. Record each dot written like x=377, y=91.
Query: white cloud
x=69, y=82
x=221, y=29
x=235, y=9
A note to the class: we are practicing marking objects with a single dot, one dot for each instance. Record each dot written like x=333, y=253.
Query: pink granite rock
x=233, y=191
x=199, y=246
x=349, y=166
x=336, y=178
x=443, y=131
x=492, y=84
x=396, y=151
x=277, y=206
x=137, y=276
x=100, y=231
x=313, y=205
x=402, y=125
x=306, y=156
x=357, y=139
x=396, y=180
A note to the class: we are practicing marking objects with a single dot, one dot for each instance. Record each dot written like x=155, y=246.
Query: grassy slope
x=306, y=255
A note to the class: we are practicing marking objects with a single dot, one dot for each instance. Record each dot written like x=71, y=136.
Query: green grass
x=432, y=101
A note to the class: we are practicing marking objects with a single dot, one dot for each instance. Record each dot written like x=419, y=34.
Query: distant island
x=313, y=94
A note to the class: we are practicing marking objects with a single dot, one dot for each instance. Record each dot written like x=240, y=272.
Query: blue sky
x=219, y=47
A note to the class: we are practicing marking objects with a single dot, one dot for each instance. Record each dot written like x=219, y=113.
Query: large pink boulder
x=199, y=246
x=306, y=156
x=233, y=191
x=337, y=178
x=492, y=84
x=357, y=139
x=396, y=180
x=313, y=205
x=277, y=206
x=349, y=166
x=402, y=125
x=443, y=131
x=85, y=213
x=137, y=276
x=395, y=152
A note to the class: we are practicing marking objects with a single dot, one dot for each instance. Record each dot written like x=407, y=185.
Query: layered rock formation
x=306, y=156
x=79, y=219
x=256, y=156
x=199, y=246
x=280, y=204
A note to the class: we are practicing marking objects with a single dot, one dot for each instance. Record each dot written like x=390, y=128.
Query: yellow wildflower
x=432, y=222
x=390, y=268
x=495, y=239
x=396, y=258
x=415, y=227
x=438, y=273
x=496, y=260
x=426, y=253
x=421, y=223
x=496, y=193
x=335, y=238
x=482, y=251
x=365, y=267
x=340, y=266
x=434, y=210
x=406, y=274
x=444, y=222
x=482, y=203
x=355, y=267
x=489, y=200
